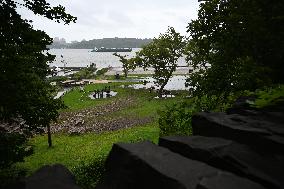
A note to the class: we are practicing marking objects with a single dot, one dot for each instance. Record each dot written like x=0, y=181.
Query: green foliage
x=23, y=65
x=25, y=94
x=269, y=96
x=102, y=71
x=12, y=148
x=12, y=177
x=56, y=79
x=43, y=8
x=85, y=73
x=89, y=174
x=162, y=54
x=176, y=119
x=237, y=45
x=106, y=42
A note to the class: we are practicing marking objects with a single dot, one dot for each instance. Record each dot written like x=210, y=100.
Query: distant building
x=56, y=40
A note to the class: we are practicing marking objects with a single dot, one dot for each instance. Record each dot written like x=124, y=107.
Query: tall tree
x=162, y=54
x=237, y=45
x=25, y=94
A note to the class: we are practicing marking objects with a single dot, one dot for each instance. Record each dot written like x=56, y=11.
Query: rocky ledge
x=237, y=149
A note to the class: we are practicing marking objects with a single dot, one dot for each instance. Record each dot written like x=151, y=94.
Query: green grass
x=85, y=154
x=145, y=104
x=77, y=99
x=72, y=150
x=146, y=107
x=80, y=153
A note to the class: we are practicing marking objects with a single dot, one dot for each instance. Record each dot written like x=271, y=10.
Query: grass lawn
x=85, y=154
x=80, y=153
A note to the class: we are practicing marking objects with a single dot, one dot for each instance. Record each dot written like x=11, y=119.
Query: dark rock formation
x=243, y=148
x=230, y=156
x=52, y=177
x=145, y=165
x=259, y=134
x=273, y=113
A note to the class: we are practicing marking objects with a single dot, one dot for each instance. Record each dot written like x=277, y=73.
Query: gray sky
x=117, y=18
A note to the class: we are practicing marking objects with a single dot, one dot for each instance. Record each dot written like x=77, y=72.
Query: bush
x=85, y=73
x=269, y=96
x=12, y=148
x=176, y=119
x=102, y=71
x=12, y=177
x=88, y=175
x=56, y=79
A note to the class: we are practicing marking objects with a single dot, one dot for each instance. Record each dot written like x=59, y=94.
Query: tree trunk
x=161, y=90
x=165, y=83
x=125, y=73
x=49, y=136
x=162, y=87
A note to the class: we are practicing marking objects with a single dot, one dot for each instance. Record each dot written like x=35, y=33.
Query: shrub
x=12, y=177
x=12, y=148
x=176, y=119
x=56, y=79
x=102, y=71
x=269, y=96
x=88, y=174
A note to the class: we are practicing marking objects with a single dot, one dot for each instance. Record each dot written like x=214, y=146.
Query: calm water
x=175, y=83
x=84, y=57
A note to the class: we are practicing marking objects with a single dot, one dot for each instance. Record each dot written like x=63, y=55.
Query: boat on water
x=103, y=49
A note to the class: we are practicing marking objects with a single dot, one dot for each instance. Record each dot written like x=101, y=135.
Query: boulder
x=52, y=177
x=259, y=134
x=265, y=169
x=145, y=165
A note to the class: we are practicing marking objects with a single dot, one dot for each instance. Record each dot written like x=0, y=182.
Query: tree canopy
x=162, y=54
x=25, y=94
x=237, y=45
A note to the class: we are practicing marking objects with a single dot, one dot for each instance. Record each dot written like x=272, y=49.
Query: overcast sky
x=117, y=18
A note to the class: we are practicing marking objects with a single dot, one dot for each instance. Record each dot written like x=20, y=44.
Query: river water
x=84, y=57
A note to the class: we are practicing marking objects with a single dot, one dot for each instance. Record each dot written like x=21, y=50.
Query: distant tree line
x=105, y=42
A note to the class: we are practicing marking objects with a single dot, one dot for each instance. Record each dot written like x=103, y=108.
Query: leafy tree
x=162, y=54
x=127, y=64
x=236, y=45
x=25, y=94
